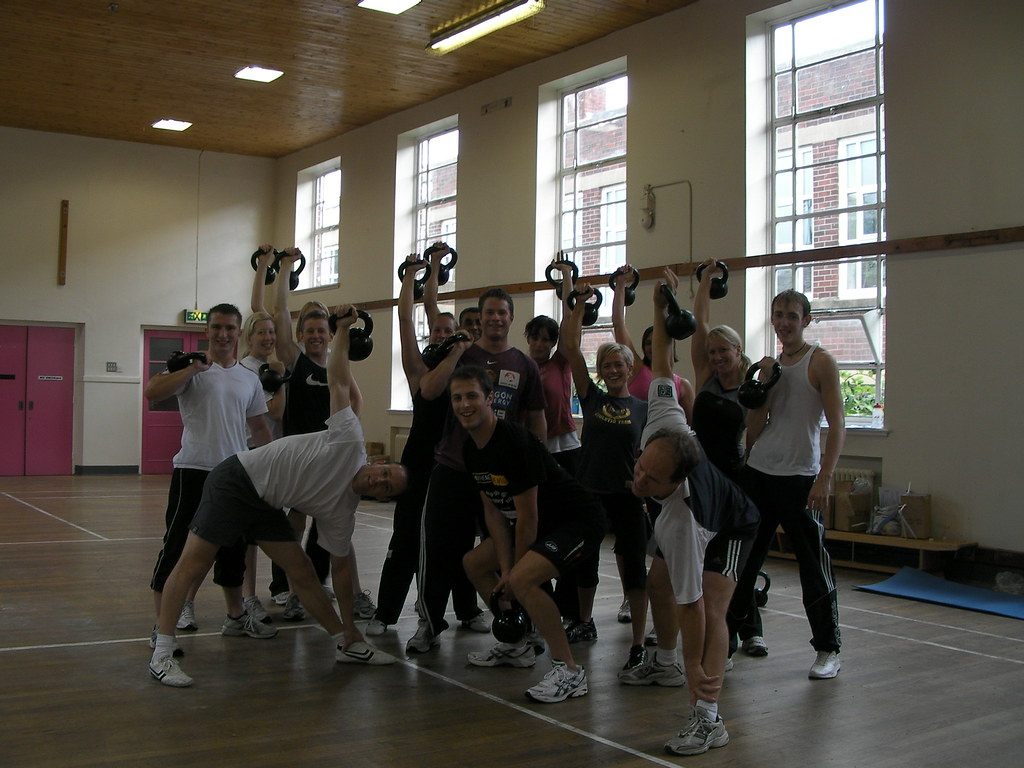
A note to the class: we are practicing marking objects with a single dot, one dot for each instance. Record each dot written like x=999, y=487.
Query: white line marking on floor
x=543, y=718
x=48, y=514
x=894, y=636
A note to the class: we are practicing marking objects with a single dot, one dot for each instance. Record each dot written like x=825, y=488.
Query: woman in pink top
x=640, y=379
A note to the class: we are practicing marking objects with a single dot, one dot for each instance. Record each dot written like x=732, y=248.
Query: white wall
x=132, y=257
x=955, y=115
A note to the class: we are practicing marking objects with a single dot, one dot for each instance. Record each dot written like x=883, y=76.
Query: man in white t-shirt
x=704, y=534
x=325, y=474
x=218, y=399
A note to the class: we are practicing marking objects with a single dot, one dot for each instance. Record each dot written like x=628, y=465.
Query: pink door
x=13, y=339
x=37, y=370
x=161, y=422
x=50, y=390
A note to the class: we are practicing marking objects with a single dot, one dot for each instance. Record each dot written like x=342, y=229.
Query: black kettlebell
x=508, y=626
x=418, y=283
x=293, y=278
x=630, y=292
x=443, y=267
x=271, y=268
x=719, y=285
x=761, y=594
x=360, y=345
x=271, y=379
x=433, y=354
x=590, y=313
x=556, y=282
x=179, y=360
x=680, y=323
x=753, y=393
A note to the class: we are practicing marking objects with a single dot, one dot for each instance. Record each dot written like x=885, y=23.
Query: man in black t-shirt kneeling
x=541, y=523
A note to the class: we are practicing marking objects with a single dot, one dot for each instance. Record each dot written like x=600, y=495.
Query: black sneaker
x=581, y=631
x=637, y=657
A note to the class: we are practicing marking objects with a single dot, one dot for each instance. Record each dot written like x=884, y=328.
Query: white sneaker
x=293, y=610
x=559, y=684
x=280, y=598
x=504, y=655
x=534, y=639
x=699, y=735
x=755, y=646
x=167, y=670
x=653, y=673
x=624, y=616
x=246, y=625
x=423, y=640
x=187, y=618
x=375, y=628
x=362, y=653
x=363, y=606
x=825, y=666
x=729, y=664
x=478, y=623
x=255, y=608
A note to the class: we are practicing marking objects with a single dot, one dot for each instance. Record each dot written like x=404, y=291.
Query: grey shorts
x=231, y=510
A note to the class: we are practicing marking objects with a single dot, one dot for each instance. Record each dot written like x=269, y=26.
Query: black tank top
x=719, y=421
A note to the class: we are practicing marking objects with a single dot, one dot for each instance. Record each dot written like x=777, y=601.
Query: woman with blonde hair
x=613, y=421
x=719, y=367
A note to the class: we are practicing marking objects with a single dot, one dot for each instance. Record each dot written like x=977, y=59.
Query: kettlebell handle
x=592, y=309
x=630, y=295
x=680, y=323
x=418, y=283
x=556, y=282
x=719, y=285
x=271, y=268
x=293, y=278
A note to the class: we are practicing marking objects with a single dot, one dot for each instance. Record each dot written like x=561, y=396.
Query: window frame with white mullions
x=434, y=162
x=426, y=193
x=831, y=191
x=318, y=224
x=586, y=207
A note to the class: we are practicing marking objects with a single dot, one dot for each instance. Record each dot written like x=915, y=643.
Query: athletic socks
x=709, y=710
x=666, y=658
x=164, y=646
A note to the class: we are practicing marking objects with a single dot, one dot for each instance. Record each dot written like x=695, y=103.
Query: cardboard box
x=917, y=513
x=852, y=510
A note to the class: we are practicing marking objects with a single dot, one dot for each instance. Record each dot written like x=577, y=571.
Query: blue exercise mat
x=918, y=585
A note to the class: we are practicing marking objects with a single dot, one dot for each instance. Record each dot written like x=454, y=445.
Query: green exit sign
x=195, y=317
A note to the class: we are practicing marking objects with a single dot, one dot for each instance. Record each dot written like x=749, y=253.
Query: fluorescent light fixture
x=167, y=124
x=476, y=25
x=388, y=6
x=259, y=74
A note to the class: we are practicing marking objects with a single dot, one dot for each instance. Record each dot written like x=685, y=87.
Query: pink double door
x=37, y=390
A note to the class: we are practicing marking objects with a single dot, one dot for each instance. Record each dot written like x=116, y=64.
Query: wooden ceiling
x=110, y=69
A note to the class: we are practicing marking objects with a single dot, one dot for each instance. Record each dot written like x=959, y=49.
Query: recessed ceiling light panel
x=259, y=74
x=389, y=6
x=167, y=124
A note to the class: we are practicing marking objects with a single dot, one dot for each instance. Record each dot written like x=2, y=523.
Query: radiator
x=399, y=437
x=845, y=474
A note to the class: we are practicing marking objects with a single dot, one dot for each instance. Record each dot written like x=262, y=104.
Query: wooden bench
x=861, y=552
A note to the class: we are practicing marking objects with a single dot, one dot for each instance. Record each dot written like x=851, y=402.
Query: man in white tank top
x=789, y=478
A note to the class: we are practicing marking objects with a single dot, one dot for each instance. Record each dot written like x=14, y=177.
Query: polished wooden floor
x=921, y=685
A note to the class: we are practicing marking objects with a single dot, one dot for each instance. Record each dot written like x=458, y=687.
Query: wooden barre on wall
x=901, y=247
